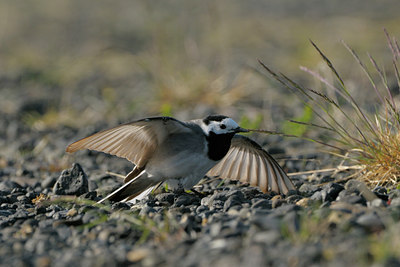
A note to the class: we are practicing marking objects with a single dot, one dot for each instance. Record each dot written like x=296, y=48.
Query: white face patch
x=227, y=125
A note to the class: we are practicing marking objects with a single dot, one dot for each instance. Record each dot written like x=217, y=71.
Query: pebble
x=261, y=204
x=370, y=221
x=72, y=182
x=230, y=225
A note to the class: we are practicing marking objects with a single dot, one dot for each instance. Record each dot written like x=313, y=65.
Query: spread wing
x=135, y=141
x=248, y=162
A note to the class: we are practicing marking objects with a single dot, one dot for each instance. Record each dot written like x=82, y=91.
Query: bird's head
x=219, y=124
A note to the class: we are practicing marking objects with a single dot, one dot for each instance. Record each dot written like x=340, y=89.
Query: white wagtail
x=182, y=153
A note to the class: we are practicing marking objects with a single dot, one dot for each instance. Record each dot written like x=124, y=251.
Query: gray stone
x=184, y=200
x=358, y=186
x=267, y=237
x=239, y=196
x=72, y=182
x=5, y=213
x=266, y=222
x=351, y=198
x=49, y=182
x=377, y=203
x=262, y=204
x=120, y=206
x=251, y=192
x=165, y=197
x=370, y=221
x=287, y=208
x=355, y=200
x=308, y=189
x=332, y=190
x=232, y=201
x=318, y=196
x=395, y=202
x=292, y=221
x=294, y=198
x=395, y=193
x=9, y=185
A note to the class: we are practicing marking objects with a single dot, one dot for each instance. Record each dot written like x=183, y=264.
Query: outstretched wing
x=248, y=162
x=135, y=141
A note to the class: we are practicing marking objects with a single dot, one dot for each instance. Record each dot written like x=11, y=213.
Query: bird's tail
x=135, y=188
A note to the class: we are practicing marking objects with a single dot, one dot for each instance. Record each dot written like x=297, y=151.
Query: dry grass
x=367, y=140
x=383, y=167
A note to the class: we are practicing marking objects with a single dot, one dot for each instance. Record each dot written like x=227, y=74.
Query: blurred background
x=79, y=64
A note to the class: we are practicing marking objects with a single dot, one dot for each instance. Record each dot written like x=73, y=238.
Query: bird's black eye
x=223, y=126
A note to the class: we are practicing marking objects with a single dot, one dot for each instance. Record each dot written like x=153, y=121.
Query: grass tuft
x=370, y=140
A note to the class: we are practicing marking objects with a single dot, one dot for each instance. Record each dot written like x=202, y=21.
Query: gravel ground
x=44, y=223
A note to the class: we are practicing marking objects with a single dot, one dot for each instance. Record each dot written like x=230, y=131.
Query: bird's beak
x=241, y=130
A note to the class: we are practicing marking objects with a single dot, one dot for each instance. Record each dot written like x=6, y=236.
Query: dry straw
x=368, y=142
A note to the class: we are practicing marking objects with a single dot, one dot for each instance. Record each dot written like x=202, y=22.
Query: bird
x=181, y=153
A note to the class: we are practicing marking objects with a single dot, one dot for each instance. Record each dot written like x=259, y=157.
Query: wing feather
x=232, y=167
x=135, y=141
x=262, y=179
x=248, y=162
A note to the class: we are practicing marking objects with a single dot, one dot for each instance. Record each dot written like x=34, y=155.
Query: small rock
x=217, y=205
x=9, y=185
x=332, y=190
x=318, y=196
x=5, y=213
x=165, y=197
x=277, y=203
x=293, y=198
x=147, y=210
x=266, y=222
x=370, y=221
x=21, y=214
x=267, y=237
x=40, y=210
x=358, y=186
x=282, y=210
x=292, y=221
x=308, y=189
x=201, y=209
x=49, y=182
x=137, y=255
x=395, y=202
x=251, y=192
x=351, y=198
x=232, y=201
x=395, y=193
x=120, y=206
x=377, y=203
x=262, y=204
x=276, y=197
x=92, y=195
x=305, y=202
x=72, y=212
x=43, y=261
x=185, y=200
x=72, y=182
